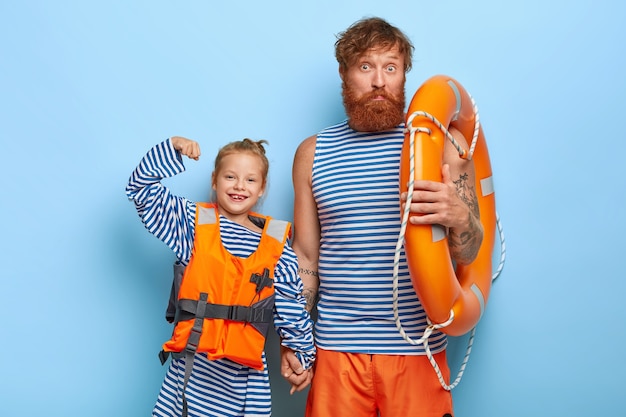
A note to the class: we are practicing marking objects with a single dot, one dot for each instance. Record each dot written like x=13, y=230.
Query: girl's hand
x=189, y=148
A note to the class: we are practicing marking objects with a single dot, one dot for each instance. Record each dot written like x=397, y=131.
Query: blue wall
x=87, y=87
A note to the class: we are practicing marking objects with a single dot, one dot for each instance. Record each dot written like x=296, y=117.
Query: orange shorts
x=364, y=385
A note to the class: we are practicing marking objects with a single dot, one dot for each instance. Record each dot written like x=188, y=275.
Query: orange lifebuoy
x=444, y=292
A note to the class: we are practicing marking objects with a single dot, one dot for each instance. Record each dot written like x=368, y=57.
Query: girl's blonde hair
x=245, y=145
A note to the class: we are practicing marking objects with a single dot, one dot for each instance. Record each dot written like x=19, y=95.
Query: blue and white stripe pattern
x=355, y=185
x=222, y=387
x=216, y=388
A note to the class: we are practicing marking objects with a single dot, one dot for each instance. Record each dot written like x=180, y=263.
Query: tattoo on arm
x=466, y=244
x=308, y=272
x=467, y=192
x=309, y=293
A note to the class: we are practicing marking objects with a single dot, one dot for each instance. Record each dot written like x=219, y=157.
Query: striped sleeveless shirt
x=355, y=184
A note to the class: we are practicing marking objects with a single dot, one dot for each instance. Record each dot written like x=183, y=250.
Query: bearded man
x=346, y=226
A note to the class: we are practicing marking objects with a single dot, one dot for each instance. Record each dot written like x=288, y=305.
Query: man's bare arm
x=306, y=239
x=466, y=236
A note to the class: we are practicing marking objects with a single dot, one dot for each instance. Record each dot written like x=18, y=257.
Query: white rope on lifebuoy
x=502, y=249
x=405, y=218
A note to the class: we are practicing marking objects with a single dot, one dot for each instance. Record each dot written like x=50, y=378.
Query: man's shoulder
x=307, y=145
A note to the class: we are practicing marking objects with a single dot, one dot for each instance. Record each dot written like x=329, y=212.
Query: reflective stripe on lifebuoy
x=442, y=290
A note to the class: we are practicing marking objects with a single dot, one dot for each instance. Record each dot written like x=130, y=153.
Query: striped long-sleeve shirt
x=220, y=385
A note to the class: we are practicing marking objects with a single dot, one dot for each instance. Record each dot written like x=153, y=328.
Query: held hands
x=189, y=148
x=292, y=370
x=437, y=202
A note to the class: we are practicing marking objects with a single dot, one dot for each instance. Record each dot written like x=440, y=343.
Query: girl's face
x=238, y=184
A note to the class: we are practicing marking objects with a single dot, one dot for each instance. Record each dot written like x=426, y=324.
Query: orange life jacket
x=225, y=303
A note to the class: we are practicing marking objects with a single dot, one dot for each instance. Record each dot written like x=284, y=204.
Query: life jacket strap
x=170, y=313
x=192, y=343
x=187, y=310
x=262, y=281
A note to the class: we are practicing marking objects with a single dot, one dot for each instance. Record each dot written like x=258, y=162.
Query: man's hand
x=438, y=202
x=453, y=204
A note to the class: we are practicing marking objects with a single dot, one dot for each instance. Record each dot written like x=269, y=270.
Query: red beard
x=367, y=115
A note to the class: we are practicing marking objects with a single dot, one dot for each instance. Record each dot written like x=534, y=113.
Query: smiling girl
x=238, y=274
